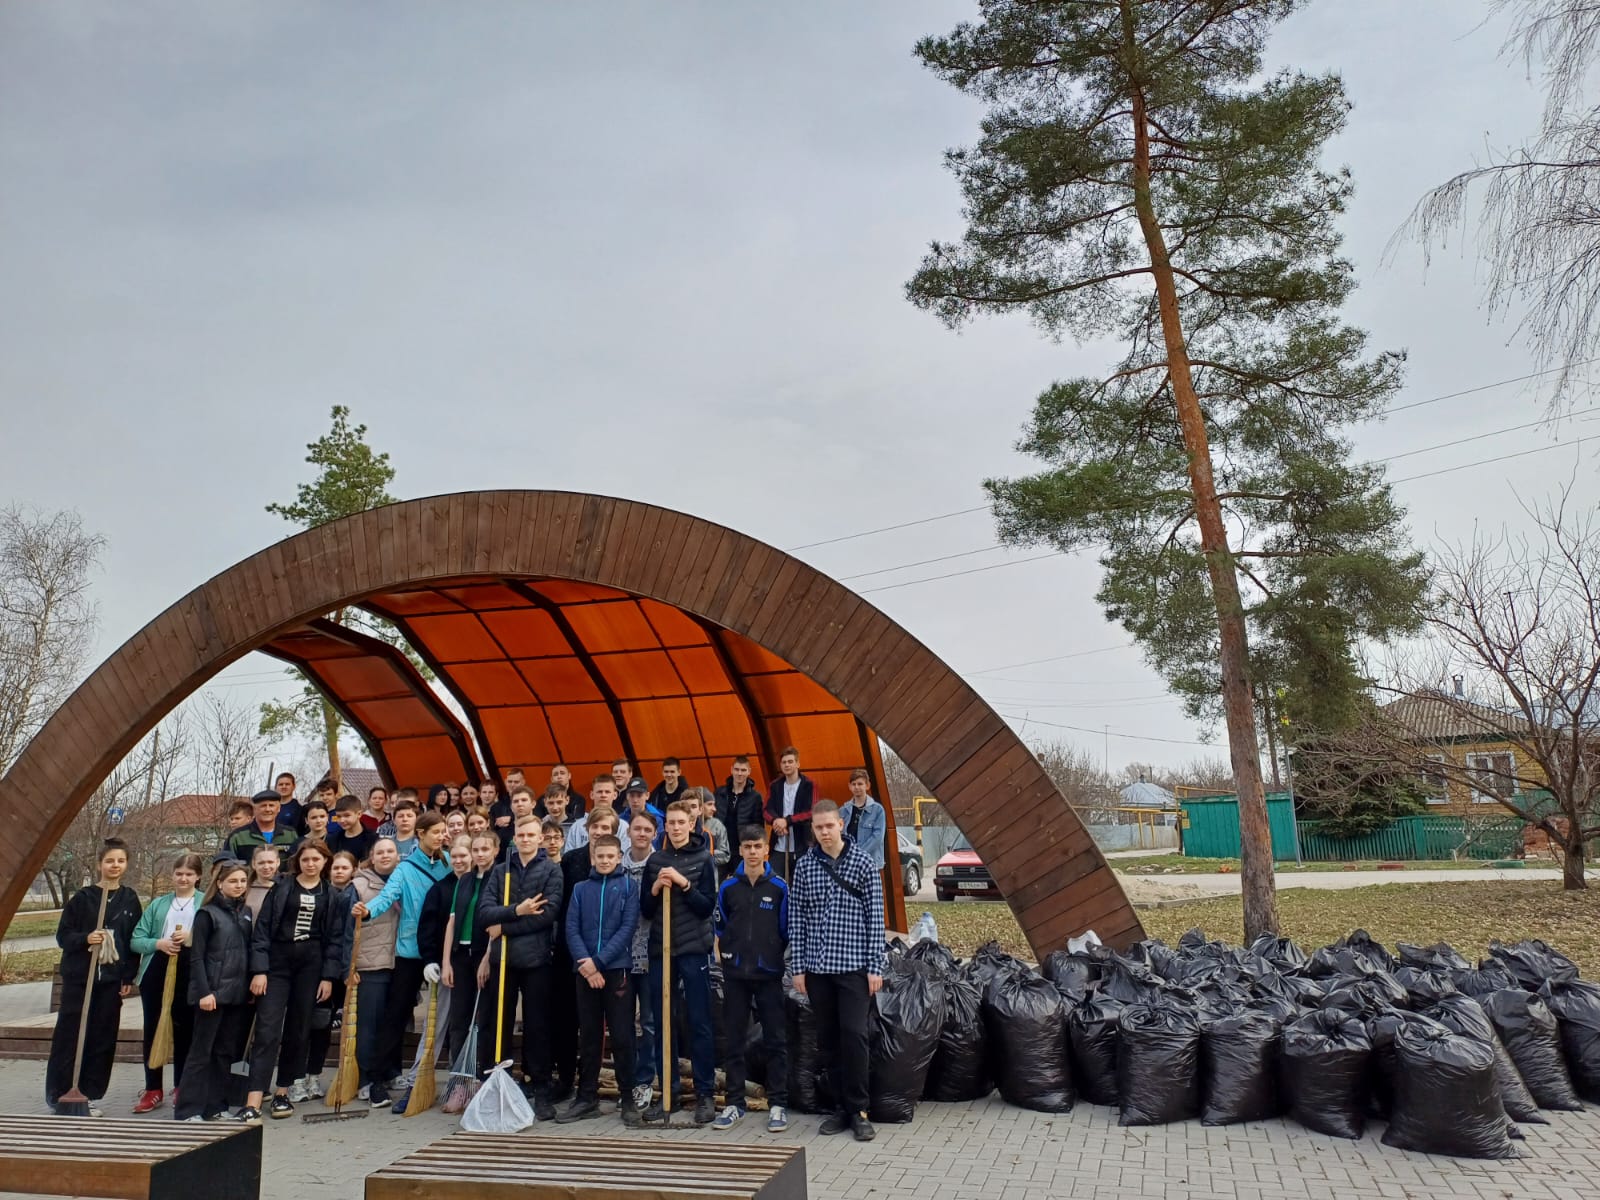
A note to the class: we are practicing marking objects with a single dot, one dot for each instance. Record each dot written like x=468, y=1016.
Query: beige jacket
x=376, y=952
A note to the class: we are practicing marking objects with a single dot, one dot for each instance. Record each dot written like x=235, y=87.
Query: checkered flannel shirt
x=830, y=931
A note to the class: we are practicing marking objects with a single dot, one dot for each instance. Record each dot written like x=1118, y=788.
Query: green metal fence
x=1213, y=832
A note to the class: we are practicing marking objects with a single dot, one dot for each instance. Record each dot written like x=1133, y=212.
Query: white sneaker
x=363, y=1093
x=298, y=1094
x=642, y=1096
x=197, y=1119
x=95, y=1110
x=314, y=1088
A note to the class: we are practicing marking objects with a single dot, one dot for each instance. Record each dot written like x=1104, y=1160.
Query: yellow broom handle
x=669, y=1067
x=500, y=1007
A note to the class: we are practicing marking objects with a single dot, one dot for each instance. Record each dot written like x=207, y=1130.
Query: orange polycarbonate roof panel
x=412, y=603
x=456, y=638
x=527, y=632
x=584, y=731
x=483, y=596
x=700, y=668
x=615, y=626
x=559, y=680
x=569, y=591
x=492, y=683
x=404, y=717
x=672, y=625
x=750, y=658
x=663, y=728
x=641, y=675
x=519, y=736
x=726, y=727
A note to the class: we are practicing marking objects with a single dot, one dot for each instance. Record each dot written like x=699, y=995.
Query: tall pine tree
x=1138, y=179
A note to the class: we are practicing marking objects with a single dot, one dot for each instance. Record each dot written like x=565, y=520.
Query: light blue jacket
x=408, y=886
x=872, y=832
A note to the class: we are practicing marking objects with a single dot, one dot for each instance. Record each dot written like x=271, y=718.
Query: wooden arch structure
x=728, y=599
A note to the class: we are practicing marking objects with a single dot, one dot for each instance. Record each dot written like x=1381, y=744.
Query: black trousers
x=842, y=1005
x=532, y=986
x=150, y=992
x=767, y=996
x=283, y=1015
x=563, y=1022
x=99, y=1043
x=600, y=1009
x=404, y=984
x=215, y=1043
x=463, y=996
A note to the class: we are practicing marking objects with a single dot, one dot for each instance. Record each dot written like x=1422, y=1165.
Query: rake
x=72, y=1102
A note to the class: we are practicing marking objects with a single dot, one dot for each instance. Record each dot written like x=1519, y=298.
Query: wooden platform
x=482, y=1166
x=134, y=1160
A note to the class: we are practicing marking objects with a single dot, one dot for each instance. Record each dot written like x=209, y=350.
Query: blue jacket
x=873, y=830
x=601, y=917
x=409, y=886
x=752, y=925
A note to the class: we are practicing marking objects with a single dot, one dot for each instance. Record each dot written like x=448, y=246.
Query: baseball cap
x=634, y=785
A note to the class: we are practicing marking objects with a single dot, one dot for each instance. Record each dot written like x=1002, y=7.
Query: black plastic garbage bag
x=1446, y=1098
x=1381, y=1029
x=988, y=960
x=1528, y=1029
x=1239, y=1066
x=1192, y=939
x=1438, y=957
x=1576, y=1005
x=1463, y=1015
x=1155, y=954
x=960, y=1068
x=941, y=958
x=1026, y=1017
x=1158, y=1064
x=1423, y=987
x=1074, y=974
x=1220, y=999
x=805, y=1060
x=907, y=1015
x=1532, y=962
x=1361, y=942
x=1280, y=952
x=1368, y=994
x=1092, y=1034
x=1492, y=976
x=1131, y=982
x=1326, y=1061
x=1339, y=962
x=1280, y=1008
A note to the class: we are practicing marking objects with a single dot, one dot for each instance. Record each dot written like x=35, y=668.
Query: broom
x=423, y=1087
x=72, y=1102
x=161, y=1043
x=347, y=1079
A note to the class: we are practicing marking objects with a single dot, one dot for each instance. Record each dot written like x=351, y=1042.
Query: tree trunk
x=1269, y=719
x=1572, y=879
x=330, y=734
x=1238, y=704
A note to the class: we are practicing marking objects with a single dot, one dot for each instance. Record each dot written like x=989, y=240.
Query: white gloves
x=431, y=972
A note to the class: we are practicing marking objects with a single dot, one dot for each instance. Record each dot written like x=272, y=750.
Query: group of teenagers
x=552, y=904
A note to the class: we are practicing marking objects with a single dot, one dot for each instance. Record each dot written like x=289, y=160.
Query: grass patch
x=1177, y=864
x=1467, y=915
x=25, y=925
x=28, y=966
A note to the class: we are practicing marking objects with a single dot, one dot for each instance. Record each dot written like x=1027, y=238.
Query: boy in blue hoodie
x=601, y=917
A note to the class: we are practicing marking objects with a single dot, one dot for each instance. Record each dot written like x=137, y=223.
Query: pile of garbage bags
x=1451, y=1055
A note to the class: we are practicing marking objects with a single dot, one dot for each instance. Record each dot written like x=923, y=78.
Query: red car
x=962, y=873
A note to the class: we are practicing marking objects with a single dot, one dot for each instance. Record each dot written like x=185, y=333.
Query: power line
x=850, y=537
x=1489, y=386
x=888, y=587
x=1134, y=737
x=1034, y=662
x=1478, y=437
x=1483, y=462
x=924, y=562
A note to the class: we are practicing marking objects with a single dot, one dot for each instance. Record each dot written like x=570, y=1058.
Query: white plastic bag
x=926, y=930
x=499, y=1106
x=1078, y=945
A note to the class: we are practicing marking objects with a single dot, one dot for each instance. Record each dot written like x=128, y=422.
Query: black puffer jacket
x=275, y=922
x=219, y=958
x=531, y=939
x=691, y=909
x=736, y=810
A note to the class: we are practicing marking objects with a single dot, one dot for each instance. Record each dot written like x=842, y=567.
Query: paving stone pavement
x=982, y=1151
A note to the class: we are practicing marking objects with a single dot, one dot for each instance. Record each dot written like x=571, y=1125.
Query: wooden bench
x=526, y=1166
x=134, y=1160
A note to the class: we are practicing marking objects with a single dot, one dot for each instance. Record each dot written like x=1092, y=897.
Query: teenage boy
x=561, y=777
x=621, y=775
x=291, y=813
x=562, y=1018
x=739, y=802
x=404, y=816
x=316, y=818
x=705, y=821
x=788, y=810
x=346, y=832
x=376, y=814
x=575, y=863
x=601, y=918
x=573, y=832
x=837, y=955
x=521, y=803
x=408, y=887
x=684, y=865
x=752, y=927
x=671, y=786
x=864, y=822
x=502, y=818
x=528, y=925
x=240, y=813
x=638, y=801
x=263, y=830
x=640, y=838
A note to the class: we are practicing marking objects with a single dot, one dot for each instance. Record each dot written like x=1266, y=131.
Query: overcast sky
x=650, y=250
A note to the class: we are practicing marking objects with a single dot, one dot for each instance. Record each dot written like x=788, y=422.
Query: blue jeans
x=372, y=998
x=647, y=1000
x=691, y=975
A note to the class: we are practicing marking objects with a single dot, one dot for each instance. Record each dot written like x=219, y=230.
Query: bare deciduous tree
x=1538, y=203
x=47, y=621
x=1525, y=613
x=230, y=751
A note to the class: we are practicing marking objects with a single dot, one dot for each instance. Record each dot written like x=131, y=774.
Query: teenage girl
x=80, y=929
x=466, y=941
x=219, y=990
x=341, y=869
x=162, y=942
x=264, y=865
x=297, y=948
